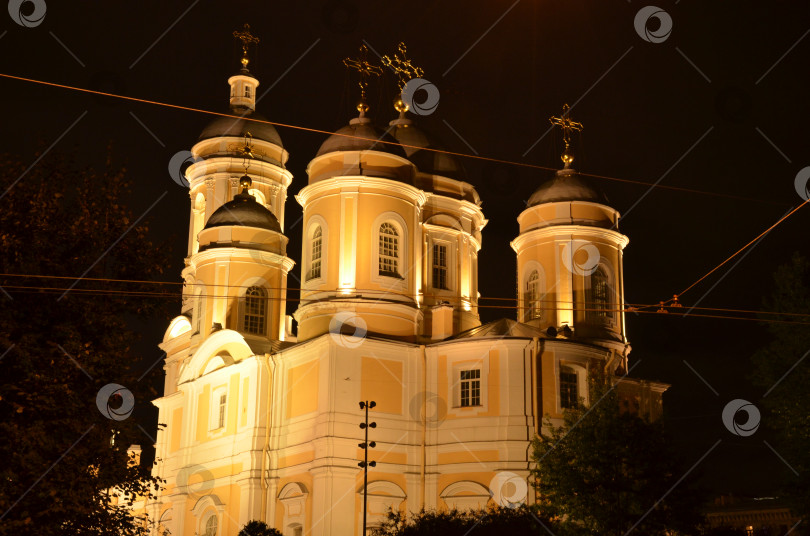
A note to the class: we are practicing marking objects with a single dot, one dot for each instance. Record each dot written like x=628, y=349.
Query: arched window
x=315, y=259
x=533, y=299
x=601, y=294
x=569, y=388
x=389, y=250
x=255, y=311
x=211, y=526
x=199, y=310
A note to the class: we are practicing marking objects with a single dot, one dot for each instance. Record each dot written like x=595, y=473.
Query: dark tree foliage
x=65, y=467
x=494, y=521
x=258, y=528
x=607, y=472
x=782, y=369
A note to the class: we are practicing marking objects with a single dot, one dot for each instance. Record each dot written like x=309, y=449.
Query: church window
x=601, y=301
x=569, y=388
x=389, y=250
x=247, y=91
x=315, y=259
x=211, y=526
x=533, y=301
x=223, y=402
x=470, y=387
x=440, y=266
x=199, y=311
x=255, y=312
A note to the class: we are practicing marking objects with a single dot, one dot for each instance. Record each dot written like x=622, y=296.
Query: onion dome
x=414, y=139
x=567, y=185
x=239, y=127
x=244, y=211
x=360, y=135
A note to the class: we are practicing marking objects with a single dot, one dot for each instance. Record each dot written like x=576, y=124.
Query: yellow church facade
x=262, y=421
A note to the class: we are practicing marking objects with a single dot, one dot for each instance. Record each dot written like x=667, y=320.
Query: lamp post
x=365, y=464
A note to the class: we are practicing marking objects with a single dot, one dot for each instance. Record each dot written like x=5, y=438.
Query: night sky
x=720, y=106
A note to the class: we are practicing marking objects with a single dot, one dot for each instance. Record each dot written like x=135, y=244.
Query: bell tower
x=236, y=271
x=569, y=257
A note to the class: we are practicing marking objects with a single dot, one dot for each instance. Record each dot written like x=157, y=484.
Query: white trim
x=591, y=316
x=466, y=495
x=555, y=231
x=403, y=245
x=306, y=253
x=226, y=340
x=542, y=286
x=457, y=363
x=580, y=366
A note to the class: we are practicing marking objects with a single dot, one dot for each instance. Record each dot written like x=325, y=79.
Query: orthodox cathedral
x=261, y=422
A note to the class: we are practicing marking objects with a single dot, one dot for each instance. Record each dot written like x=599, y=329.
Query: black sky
x=502, y=67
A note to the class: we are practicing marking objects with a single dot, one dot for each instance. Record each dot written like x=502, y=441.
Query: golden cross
x=247, y=38
x=365, y=70
x=567, y=125
x=402, y=66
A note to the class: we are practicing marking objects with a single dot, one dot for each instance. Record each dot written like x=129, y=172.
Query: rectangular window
x=440, y=266
x=569, y=391
x=471, y=387
x=222, y=404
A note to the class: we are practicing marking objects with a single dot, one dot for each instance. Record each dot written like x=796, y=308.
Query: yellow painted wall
x=382, y=383
x=302, y=394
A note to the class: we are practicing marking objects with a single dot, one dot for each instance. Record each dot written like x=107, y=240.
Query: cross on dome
x=246, y=38
x=567, y=126
x=365, y=70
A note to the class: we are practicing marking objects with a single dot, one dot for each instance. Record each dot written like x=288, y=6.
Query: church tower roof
x=242, y=102
x=244, y=211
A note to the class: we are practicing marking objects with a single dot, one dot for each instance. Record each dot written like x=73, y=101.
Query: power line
x=671, y=311
x=746, y=246
x=630, y=307
x=431, y=149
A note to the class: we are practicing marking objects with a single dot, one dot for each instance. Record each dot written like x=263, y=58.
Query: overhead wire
x=383, y=141
x=674, y=312
x=630, y=306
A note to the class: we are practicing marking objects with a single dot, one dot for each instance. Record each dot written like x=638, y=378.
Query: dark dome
x=228, y=126
x=567, y=185
x=246, y=212
x=360, y=135
x=436, y=163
